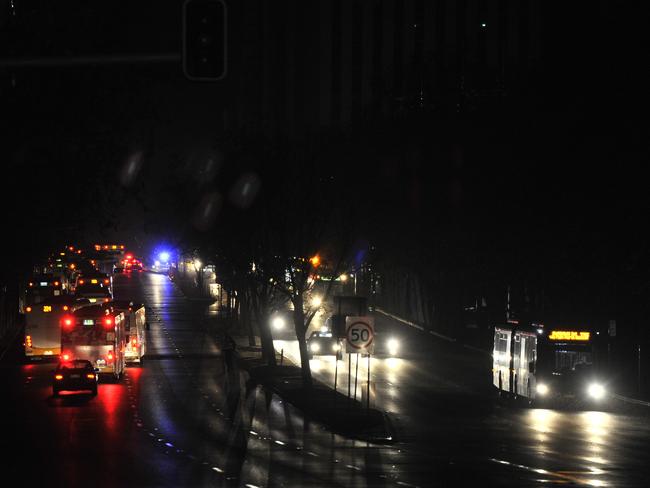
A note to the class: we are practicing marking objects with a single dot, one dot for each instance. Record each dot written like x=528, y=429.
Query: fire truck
x=96, y=333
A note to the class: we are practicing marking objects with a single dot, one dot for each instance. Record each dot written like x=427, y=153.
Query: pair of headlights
x=315, y=347
x=594, y=390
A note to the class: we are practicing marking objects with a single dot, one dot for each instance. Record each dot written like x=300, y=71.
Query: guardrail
x=431, y=332
x=414, y=325
x=633, y=401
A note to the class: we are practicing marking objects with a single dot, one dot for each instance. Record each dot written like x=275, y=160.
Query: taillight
x=66, y=356
x=108, y=321
x=56, y=283
x=81, y=282
x=65, y=307
x=134, y=342
x=67, y=322
x=58, y=377
x=110, y=356
x=90, y=376
x=106, y=281
x=107, y=299
x=28, y=309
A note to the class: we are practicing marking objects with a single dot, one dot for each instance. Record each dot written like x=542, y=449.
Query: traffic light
x=204, y=40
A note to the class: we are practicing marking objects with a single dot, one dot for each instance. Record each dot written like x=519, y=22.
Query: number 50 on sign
x=360, y=334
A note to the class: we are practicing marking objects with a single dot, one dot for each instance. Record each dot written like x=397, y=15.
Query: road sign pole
x=368, y=394
x=336, y=372
x=349, y=372
x=356, y=376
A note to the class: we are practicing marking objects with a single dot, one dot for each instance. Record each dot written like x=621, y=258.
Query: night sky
x=543, y=183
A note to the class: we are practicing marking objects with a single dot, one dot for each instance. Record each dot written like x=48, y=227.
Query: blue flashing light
x=164, y=257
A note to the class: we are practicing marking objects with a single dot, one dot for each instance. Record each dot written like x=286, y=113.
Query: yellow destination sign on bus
x=569, y=335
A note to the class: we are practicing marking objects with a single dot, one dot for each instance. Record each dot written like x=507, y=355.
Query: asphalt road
x=181, y=420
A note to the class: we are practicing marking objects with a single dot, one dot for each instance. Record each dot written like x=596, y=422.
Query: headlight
x=596, y=391
x=316, y=301
x=393, y=346
x=542, y=389
x=336, y=347
x=315, y=347
x=278, y=323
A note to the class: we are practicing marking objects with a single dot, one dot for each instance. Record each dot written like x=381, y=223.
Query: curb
x=389, y=431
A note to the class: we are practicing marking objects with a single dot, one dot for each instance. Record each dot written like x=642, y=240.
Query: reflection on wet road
x=180, y=419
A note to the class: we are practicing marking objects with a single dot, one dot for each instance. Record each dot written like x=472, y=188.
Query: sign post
x=360, y=335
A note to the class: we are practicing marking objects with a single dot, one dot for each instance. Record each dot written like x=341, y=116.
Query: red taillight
x=58, y=377
x=81, y=282
x=110, y=356
x=67, y=322
x=106, y=281
x=108, y=321
x=107, y=299
x=28, y=309
x=66, y=357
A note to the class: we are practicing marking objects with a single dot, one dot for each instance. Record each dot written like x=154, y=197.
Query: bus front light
x=596, y=391
x=315, y=347
x=542, y=389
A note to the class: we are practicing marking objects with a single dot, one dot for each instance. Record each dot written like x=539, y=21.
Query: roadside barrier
x=633, y=401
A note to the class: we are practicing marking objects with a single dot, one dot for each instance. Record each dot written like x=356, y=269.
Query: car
x=75, y=375
x=323, y=343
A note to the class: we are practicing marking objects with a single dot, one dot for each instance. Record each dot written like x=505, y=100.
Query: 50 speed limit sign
x=360, y=333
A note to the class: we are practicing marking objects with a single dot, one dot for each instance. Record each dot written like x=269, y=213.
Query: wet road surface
x=181, y=420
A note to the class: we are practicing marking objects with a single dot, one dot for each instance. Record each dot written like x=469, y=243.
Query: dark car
x=323, y=343
x=75, y=375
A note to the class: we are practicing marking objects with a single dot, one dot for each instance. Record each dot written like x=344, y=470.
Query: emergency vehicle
x=95, y=333
x=135, y=326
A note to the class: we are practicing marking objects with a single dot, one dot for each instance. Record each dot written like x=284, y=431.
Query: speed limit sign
x=360, y=333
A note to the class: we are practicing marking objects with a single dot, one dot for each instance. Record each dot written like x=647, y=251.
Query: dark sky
x=551, y=177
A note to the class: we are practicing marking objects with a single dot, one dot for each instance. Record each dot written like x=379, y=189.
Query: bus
x=542, y=365
x=42, y=325
x=41, y=287
x=95, y=333
x=135, y=325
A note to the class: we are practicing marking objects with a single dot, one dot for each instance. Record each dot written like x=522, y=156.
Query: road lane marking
x=565, y=475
